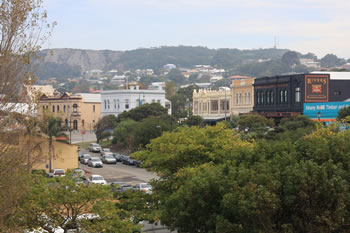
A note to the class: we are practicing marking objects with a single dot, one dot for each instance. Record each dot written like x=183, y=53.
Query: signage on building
x=324, y=111
x=316, y=88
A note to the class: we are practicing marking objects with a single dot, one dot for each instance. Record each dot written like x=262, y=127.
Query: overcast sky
x=317, y=26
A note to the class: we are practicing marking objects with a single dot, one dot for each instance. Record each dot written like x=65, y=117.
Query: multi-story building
x=79, y=112
x=212, y=105
x=117, y=101
x=242, y=95
x=283, y=96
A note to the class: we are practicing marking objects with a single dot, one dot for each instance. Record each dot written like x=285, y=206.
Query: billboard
x=324, y=111
x=316, y=88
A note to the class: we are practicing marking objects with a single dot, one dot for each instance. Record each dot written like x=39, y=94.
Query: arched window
x=66, y=122
x=281, y=97
x=75, y=108
x=58, y=108
x=286, y=96
x=249, y=101
x=105, y=104
x=108, y=104
x=262, y=97
x=53, y=108
x=240, y=98
x=43, y=108
x=115, y=104
x=258, y=97
x=268, y=97
x=272, y=97
x=68, y=108
x=297, y=95
x=75, y=125
x=236, y=98
x=245, y=98
x=64, y=108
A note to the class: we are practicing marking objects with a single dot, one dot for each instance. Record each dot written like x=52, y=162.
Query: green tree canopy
x=143, y=111
x=106, y=123
x=343, y=113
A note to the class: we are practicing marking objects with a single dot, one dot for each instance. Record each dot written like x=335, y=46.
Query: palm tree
x=52, y=127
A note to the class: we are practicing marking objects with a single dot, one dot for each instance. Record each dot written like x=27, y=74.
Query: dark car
x=118, y=157
x=121, y=187
x=129, y=161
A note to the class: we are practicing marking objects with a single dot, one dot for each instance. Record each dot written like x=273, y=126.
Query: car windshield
x=146, y=186
x=97, y=178
x=94, y=144
x=109, y=157
x=95, y=159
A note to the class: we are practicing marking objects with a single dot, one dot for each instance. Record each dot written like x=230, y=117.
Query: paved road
x=119, y=172
x=77, y=137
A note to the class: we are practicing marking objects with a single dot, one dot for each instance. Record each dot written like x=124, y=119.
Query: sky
x=316, y=26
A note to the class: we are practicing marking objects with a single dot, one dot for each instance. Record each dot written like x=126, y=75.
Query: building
x=212, y=105
x=117, y=101
x=242, y=95
x=285, y=95
x=78, y=112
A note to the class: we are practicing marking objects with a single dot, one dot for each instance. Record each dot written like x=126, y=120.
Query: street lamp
x=319, y=116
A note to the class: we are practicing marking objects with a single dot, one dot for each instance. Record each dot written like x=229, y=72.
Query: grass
x=105, y=144
x=84, y=145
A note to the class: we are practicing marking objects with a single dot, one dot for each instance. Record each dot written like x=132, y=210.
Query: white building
x=118, y=101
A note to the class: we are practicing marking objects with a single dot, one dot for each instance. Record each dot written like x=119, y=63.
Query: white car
x=105, y=151
x=95, y=162
x=84, y=159
x=94, y=147
x=109, y=159
x=56, y=172
x=143, y=187
x=96, y=179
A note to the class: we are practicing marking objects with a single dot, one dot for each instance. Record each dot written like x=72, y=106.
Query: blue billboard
x=324, y=111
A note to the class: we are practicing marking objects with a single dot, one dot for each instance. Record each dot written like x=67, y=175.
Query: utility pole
x=225, y=100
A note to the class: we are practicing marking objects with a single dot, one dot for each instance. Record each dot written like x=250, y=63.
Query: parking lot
x=119, y=172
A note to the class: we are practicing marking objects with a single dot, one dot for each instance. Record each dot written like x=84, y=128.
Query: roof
x=91, y=98
x=335, y=75
x=38, y=90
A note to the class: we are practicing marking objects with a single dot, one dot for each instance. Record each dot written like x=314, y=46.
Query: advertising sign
x=324, y=111
x=316, y=88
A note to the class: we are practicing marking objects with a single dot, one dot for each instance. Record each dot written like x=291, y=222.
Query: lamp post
x=319, y=116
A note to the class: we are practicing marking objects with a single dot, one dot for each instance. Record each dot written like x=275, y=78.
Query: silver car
x=94, y=147
x=84, y=159
x=109, y=159
x=95, y=162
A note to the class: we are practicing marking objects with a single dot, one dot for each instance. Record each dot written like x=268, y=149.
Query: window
x=237, y=99
x=337, y=93
x=281, y=97
x=43, y=108
x=297, y=94
x=286, y=96
x=262, y=97
x=66, y=122
x=82, y=123
x=68, y=108
x=214, y=105
x=153, y=101
x=64, y=108
x=58, y=108
x=108, y=104
x=158, y=101
x=249, y=101
x=118, y=104
x=53, y=108
x=272, y=97
x=126, y=104
x=75, y=125
x=240, y=98
x=115, y=104
x=258, y=97
x=105, y=104
x=245, y=98
x=93, y=108
x=268, y=97
x=75, y=108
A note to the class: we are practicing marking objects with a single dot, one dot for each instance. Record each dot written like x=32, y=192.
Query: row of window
x=116, y=103
x=56, y=108
x=268, y=97
x=246, y=98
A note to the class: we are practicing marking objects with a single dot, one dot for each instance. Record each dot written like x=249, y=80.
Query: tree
x=60, y=203
x=290, y=58
x=194, y=121
x=331, y=60
x=176, y=76
x=213, y=181
x=255, y=125
x=143, y=111
x=343, y=113
x=170, y=89
x=24, y=29
x=106, y=123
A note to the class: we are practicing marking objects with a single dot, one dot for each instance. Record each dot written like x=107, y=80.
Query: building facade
x=242, y=95
x=212, y=105
x=284, y=96
x=114, y=102
x=79, y=112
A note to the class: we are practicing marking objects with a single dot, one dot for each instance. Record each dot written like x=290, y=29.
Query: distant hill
x=65, y=63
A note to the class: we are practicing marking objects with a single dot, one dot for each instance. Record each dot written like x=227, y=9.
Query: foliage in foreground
x=213, y=181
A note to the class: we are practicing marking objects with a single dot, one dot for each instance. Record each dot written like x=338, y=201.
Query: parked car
x=118, y=157
x=95, y=162
x=104, y=150
x=56, y=172
x=129, y=161
x=94, y=147
x=143, y=187
x=106, y=153
x=121, y=187
x=109, y=159
x=84, y=159
x=96, y=179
